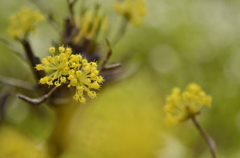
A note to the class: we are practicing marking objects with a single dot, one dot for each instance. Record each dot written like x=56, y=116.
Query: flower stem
x=206, y=137
x=121, y=31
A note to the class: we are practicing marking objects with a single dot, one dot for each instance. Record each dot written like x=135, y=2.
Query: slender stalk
x=108, y=55
x=16, y=83
x=206, y=137
x=121, y=31
x=70, y=6
x=49, y=15
x=3, y=100
x=54, y=23
x=11, y=47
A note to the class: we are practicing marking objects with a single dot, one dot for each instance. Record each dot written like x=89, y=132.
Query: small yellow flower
x=78, y=71
x=24, y=22
x=85, y=79
x=182, y=106
x=59, y=65
x=132, y=10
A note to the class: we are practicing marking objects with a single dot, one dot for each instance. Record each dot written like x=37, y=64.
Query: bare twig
x=50, y=18
x=108, y=55
x=206, y=137
x=10, y=46
x=37, y=101
x=54, y=24
x=127, y=56
x=3, y=100
x=16, y=83
x=70, y=32
x=121, y=31
x=70, y=6
x=112, y=66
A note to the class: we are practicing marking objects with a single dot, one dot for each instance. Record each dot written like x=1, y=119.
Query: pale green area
x=179, y=42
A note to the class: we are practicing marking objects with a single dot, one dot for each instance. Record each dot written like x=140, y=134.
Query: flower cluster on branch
x=182, y=106
x=73, y=68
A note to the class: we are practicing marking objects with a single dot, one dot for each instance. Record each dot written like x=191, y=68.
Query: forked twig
x=36, y=101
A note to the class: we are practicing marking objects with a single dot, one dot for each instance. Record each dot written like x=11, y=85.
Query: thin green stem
x=11, y=47
x=108, y=55
x=16, y=83
x=49, y=16
x=121, y=31
x=206, y=137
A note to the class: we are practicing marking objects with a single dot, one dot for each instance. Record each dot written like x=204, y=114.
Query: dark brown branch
x=37, y=101
x=70, y=32
x=32, y=59
x=206, y=137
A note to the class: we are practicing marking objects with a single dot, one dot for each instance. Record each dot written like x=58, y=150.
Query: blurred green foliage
x=179, y=42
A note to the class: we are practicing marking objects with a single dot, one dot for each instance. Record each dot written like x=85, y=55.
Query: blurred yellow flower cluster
x=91, y=23
x=66, y=66
x=132, y=10
x=120, y=125
x=24, y=22
x=15, y=144
x=181, y=107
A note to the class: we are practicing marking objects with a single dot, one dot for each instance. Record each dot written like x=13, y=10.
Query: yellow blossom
x=132, y=10
x=24, y=22
x=182, y=106
x=73, y=68
x=91, y=23
x=85, y=79
x=57, y=64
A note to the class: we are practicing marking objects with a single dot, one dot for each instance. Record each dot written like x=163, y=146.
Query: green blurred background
x=179, y=42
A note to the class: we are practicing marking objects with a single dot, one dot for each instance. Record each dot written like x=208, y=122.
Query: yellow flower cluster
x=78, y=71
x=91, y=23
x=24, y=22
x=132, y=10
x=181, y=107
